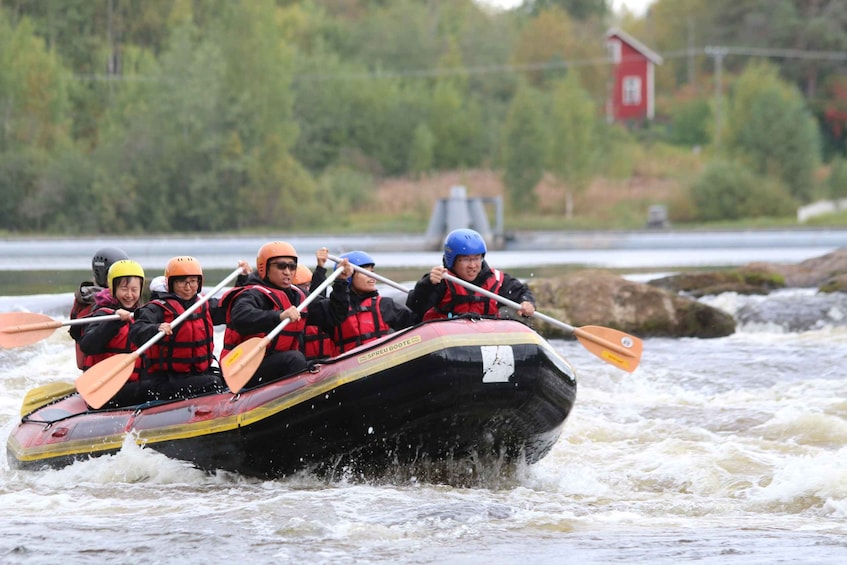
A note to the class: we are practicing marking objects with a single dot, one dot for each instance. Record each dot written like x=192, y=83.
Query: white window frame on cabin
x=631, y=90
x=614, y=50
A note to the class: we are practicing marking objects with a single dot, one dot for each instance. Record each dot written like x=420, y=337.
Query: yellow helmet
x=270, y=250
x=123, y=268
x=184, y=266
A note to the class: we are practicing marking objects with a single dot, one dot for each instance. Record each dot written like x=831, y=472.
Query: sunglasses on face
x=283, y=265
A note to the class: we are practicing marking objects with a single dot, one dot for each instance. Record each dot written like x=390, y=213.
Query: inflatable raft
x=489, y=390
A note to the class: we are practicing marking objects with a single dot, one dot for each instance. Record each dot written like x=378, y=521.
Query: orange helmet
x=303, y=275
x=270, y=250
x=183, y=267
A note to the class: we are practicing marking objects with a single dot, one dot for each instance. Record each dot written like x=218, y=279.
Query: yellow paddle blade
x=241, y=363
x=25, y=328
x=45, y=394
x=103, y=381
x=612, y=346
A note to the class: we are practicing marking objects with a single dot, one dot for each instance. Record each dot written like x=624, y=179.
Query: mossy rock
x=835, y=284
x=742, y=281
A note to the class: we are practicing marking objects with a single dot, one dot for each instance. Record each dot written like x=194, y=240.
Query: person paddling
x=100, y=341
x=370, y=315
x=180, y=365
x=269, y=298
x=84, y=295
x=464, y=257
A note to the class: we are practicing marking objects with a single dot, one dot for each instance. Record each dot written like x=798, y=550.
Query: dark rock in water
x=812, y=272
x=601, y=298
x=753, y=279
x=827, y=272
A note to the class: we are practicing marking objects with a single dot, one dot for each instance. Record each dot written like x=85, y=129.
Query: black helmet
x=101, y=262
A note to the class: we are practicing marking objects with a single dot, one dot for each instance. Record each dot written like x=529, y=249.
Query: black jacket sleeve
x=424, y=296
x=146, y=324
x=326, y=313
x=396, y=315
x=318, y=277
x=515, y=290
x=97, y=335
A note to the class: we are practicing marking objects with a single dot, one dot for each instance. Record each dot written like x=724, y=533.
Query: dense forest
x=150, y=116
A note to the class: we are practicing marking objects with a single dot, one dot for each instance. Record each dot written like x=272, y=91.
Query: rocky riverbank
x=668, y=306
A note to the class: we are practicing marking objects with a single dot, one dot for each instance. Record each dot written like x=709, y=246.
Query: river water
x=728, y=450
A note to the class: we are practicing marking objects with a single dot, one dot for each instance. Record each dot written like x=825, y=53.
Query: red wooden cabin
x=632, y=97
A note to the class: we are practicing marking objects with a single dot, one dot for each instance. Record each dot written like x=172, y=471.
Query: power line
x=526, y=67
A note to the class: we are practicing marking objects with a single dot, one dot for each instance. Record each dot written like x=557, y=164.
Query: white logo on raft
x=498, y=363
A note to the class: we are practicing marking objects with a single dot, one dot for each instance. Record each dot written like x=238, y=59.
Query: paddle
x=102, y=381
x=25, y=328
x=612, y=346
x=241, y=363
x=376, y=276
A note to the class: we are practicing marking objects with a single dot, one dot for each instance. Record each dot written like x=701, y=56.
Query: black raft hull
x=447, y=391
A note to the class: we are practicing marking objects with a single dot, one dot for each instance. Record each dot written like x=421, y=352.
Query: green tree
x=577, y=9
x=34, y=122
x=837, y=181
x=421, y=151
x=574, y=146
x=172, y=126
x=257, y=101
x=524, y=149
x=787, y=24
x=771, y=129
x=554, y=40
x=728, y=191
x=691, y=120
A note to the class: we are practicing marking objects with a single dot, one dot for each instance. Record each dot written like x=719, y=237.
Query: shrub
x=728, y=191
x=837, y=181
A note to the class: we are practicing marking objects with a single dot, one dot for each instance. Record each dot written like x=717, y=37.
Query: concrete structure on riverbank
x=459, y=212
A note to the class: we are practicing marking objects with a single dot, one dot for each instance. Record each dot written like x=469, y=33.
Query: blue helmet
x=462, y=242
x=358, y=258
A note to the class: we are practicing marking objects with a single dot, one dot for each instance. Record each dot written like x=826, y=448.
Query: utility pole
x=718, y=53
x=690, y=49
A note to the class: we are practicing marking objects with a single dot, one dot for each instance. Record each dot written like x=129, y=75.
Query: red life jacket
x=120, y=343
x=363, y=323
x=290, y=338
x=459, y=300
x=79, y=309
x=191, y=347
x=317, y=344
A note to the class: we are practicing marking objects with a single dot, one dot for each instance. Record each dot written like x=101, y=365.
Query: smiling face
x=467, y=267
x=281, y=271
x=186, y=287
x=362, y=283
x=128, y=291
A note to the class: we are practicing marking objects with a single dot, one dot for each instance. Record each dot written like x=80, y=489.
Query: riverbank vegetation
x=178, y=116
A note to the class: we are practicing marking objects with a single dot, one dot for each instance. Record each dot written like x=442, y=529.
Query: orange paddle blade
x=103, y=381
x=241, y=363
x=612, y=346
x=25, y=328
